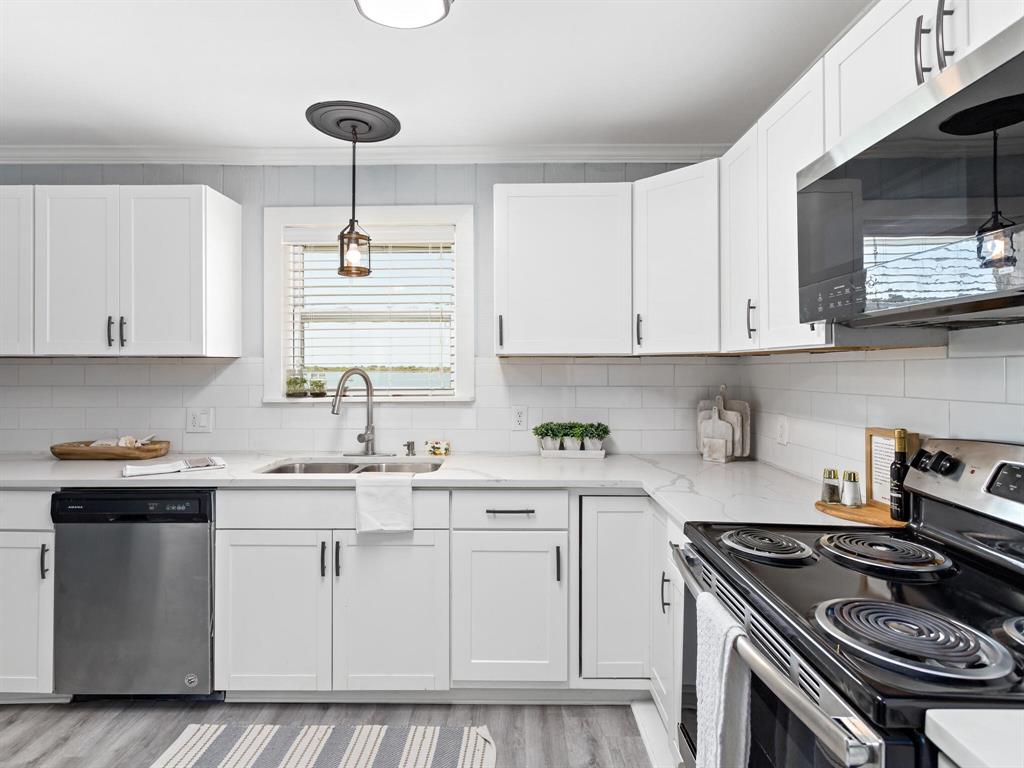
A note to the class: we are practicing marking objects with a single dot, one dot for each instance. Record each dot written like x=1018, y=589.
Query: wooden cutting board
x=867, y=514
x=85, y=451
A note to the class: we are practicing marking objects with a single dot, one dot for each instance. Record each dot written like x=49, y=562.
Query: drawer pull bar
x=558, y=563
x=511, y=511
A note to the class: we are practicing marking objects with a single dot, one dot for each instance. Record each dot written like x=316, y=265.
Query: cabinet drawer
x=25, y=511
x=510, y=509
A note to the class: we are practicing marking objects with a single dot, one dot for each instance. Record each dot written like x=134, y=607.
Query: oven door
x=788, y=729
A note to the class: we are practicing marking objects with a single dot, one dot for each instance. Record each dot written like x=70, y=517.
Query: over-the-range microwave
x=918, y=217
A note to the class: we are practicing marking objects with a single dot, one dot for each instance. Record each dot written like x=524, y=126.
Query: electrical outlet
x=782, y=430
x=199, y=420
x=518, y=417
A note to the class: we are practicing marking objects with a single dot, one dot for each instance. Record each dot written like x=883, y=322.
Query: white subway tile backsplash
x=872, y=377
x=987, y=421
x=641, y=375
x=673, y=397
x=155, y=396
x=1000, y=341
x=87, y=396
x=608, y=397
x=981, y=379
x=641, y=418
x=25, y=397
x=118, y=418
x=813, y=377
x=117, y=375
x=1015, y=379
x=51, y=418
x=55, y=375
x=929, y=417
x=166, y=418
x=839, y=409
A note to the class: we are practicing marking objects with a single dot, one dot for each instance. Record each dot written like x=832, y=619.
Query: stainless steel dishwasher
x=133, y=605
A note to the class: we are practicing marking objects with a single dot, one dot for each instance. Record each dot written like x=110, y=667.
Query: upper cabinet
x=16, y=270
x=561, y=261
x=899, y=45
x=790, y=136
x=675, y=261
x=738, y=223
x=137, y=270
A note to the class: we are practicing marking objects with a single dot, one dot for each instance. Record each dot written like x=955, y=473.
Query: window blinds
x=398, y=323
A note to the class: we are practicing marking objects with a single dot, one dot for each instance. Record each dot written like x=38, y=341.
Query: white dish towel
x=723, y=688
x=383, y=502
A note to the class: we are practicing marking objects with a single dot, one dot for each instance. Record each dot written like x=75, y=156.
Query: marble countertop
x=687, y=487
x=978, y=738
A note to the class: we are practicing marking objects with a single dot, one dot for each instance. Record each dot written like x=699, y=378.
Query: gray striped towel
x=330, y=746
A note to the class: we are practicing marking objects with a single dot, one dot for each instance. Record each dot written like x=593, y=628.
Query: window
x=409, y=324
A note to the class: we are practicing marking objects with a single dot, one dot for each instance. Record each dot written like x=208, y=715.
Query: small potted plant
x=295, y=386
x=594, y=435
x=548, y=435
x=572, y=436
x=317, y=388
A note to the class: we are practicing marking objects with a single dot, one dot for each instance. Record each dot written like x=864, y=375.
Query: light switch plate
x=782, y=430
x=518, y=417
x=199, y=420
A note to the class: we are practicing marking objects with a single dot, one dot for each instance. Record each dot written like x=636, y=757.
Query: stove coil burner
x=1014, y=629
x=767, y=547
x=883, y=552
x=914, y=642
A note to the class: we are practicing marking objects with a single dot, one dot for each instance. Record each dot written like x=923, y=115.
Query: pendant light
x=995, y=246
x=355, y=122
x=404, y=14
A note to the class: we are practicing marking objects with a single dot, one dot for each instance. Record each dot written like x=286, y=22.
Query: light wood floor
x=117, y=734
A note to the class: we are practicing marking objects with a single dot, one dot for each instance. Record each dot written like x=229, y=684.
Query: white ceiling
x=199, y=74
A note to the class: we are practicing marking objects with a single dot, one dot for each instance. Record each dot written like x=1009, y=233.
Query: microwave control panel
x=838, y=299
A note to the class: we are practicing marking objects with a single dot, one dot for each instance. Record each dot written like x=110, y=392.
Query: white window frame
x=275, y=262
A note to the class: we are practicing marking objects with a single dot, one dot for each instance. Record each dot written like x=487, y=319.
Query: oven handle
x=830, y=734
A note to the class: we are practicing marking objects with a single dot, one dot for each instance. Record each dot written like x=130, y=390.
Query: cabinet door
x=510, y=606
x=76, y=245
x=26, y=612
x=662, y=621
x=161, y=270
x=562, y=269
x=16, y=270
x=675, y=261
x=789, y=136
x=615, y=549
x=391, y=611
x=273, y=611
x=984, y=20
x=738, y=218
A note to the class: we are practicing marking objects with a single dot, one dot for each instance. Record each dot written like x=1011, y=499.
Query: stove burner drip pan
x=914, y=642
x=881, y=552
x=767, y=546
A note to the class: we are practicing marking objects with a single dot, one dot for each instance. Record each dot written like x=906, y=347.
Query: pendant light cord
x=996, y=213
x=353, y=173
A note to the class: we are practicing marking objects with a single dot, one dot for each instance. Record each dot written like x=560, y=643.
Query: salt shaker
x=851, y=489
x=830, y=493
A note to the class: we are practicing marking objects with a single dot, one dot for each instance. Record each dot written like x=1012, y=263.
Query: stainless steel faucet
x=367, y=435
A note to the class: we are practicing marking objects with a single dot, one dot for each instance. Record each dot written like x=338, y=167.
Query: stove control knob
x=922, y=460
x=943, y=463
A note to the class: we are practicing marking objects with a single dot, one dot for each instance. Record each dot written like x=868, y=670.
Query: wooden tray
x=83, y=450
x=869, y=514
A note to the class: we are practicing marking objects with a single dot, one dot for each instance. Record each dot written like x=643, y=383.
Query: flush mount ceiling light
x=995, y=244
x=355, y=122
x=404, y=14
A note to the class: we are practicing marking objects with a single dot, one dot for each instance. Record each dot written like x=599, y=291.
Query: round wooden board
x=84, y=450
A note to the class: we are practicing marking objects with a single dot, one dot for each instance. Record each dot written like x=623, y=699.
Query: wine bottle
x=899, y=506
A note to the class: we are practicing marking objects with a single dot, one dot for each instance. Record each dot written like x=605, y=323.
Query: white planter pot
x=592, y=443
x=570, y=443
x=549, y=443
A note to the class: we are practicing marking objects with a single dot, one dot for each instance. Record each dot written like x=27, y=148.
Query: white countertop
x=687, y=487
x=978, y=738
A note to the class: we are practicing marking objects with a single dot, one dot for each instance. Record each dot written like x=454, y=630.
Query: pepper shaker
x=830, y=492
x=851, y=489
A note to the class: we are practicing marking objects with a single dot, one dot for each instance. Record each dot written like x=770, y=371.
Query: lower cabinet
x=510, y=606
x=391, y=611
x=662, y=623
x=26, y=612
x=615, y=596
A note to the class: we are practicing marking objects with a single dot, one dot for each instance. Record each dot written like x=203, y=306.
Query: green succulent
x=317, y=385
x=596, y=431
x=296, y=383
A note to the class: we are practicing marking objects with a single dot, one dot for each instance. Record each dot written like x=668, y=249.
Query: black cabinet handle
x=337, y=558
x=639, y=330
x=558, y=563
x=43, y=549
x=120, y=329
x=750, y=307
x=323, y=559
x=664, y=581
x=110, y=330
x=501, y=331
x=511, y=512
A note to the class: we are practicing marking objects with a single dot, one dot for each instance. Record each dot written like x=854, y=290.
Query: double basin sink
x=291, y=467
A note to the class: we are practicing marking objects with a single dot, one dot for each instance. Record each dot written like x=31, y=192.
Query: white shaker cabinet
x=26, y=612
x=615, y=552
x=738, y=223
x=675, y=261
x=391, y=610
x=790, y=135
x=16, y=238
x=662, y=622
x=985, y=18
x=137, y=270
x=273, y=611
x=562, y=269
x=76, y=270
x=510, y=606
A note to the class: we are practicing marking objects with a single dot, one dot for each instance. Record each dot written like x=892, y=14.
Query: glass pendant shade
x=354, y=251
x=404, y=14
x=996, y=247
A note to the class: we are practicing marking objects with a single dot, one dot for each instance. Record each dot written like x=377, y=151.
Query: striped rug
x=329, y=746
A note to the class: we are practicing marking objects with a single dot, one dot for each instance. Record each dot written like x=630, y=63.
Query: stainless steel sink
x=345, y=468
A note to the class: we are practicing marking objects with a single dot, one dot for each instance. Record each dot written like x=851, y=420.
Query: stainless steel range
x=854, y=633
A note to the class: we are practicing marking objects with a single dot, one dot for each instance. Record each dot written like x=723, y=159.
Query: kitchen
x=485, y=426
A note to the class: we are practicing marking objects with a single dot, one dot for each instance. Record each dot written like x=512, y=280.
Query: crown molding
x=370, y=154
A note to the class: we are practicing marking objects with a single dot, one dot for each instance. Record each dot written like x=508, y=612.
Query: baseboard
x=652, y=731
x=567, y=696
x=33, y=698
